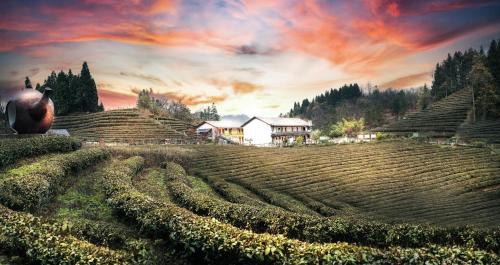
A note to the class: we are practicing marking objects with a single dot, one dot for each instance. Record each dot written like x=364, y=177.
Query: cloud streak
x=408, y=81
x=226, y=51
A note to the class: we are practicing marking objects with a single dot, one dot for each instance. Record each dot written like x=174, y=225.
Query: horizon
x=248, y=57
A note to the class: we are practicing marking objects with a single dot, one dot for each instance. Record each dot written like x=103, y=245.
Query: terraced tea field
x=384, y=181
x=348, y=204
x=125, y=126
x=442, y=117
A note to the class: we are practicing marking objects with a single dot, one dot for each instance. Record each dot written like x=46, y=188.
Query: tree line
x=474, y=69
x=71, y=93
x=163, y=106
x=349, y=102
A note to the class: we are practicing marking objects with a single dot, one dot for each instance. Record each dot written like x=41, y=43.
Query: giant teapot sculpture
x=30, y=111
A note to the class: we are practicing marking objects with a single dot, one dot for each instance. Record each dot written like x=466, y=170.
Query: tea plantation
x=125, y=126
x=393, y=202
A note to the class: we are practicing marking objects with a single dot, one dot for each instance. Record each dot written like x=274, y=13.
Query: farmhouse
x=274, y=131
x=229, y=131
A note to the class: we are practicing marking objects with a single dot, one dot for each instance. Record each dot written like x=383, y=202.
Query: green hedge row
x=154, y=155
x=220, y=243
x=232, y=194
x=228, y=191
x=321, y=229
x=13, y=149
x=140, y=250
x=23, y=233
x=30, y=186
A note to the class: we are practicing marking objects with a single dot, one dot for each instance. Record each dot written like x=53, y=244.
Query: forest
x=71, y=93
x=473, y=68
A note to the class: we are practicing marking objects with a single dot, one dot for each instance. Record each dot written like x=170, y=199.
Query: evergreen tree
x=88, y=90
x=425, y=98
x=100, y=107
x=493, y=62
x=214, y=115
x=61, y=94
x=482, y=83
x=72, y=93
x=27, y=83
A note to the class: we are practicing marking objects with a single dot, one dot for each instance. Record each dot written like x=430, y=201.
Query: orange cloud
x=193, y=100
x=408, y=81
x=111, y=99
x=240, y=87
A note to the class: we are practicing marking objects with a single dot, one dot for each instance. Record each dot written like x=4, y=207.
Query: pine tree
x=493, y=62
x=88, y=90
x=61, y=94
x=481, y=81
x=214, y=115
x=27, y=83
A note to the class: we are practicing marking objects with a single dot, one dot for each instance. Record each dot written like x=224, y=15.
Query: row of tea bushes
x=30, y=186
x=215, y=242
x=318, y=229
x=233, y=194
x=154, y=155
x=13, y=149
x=139, y=250
x=25, y=234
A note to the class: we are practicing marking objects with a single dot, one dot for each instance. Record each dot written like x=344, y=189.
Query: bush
x=155, y=155
x=380, y=136
x=13, y=149
x=44, y=243
x=30, y=186
x=216, y=242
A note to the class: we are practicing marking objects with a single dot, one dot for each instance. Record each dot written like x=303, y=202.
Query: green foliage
x=318, y=229
x=156, y=155
x=73, y=93
x=315, y=135
x=451, y=74
x=482, y=82
x=349, y=128
x=216, y=242
x=162, y=106
x=51, y=243
x=299, y=140
x=12, y=150
x=380, y=136
x=348, y=102
x=209, y=113
x=424, y=98
x=454, y=72
x=30, y=186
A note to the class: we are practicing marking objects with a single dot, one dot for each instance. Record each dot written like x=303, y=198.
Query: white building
x=221, y=130
x=274, y=131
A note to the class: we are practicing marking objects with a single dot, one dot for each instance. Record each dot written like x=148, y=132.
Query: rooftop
x=223, y=124
x=278, y=121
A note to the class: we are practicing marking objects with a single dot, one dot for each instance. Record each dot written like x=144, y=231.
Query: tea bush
x=32, y=185
x=50, y=243
x=216, y=242
x=13, y=149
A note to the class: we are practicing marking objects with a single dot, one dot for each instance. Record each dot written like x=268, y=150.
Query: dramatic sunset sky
x=251, y=57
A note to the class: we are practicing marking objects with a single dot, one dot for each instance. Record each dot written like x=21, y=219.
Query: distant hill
x=448, y=117
x=125, y=126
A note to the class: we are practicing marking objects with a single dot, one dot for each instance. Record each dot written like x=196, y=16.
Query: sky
x=248, y=57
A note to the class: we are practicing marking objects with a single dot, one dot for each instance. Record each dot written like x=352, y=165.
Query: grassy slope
x=391, y=181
